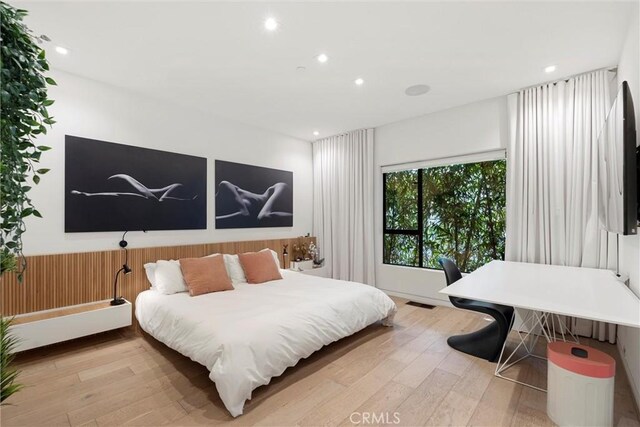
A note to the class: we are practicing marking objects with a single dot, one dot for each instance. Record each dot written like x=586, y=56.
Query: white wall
x=629, y=338
x=93, y=110
x=468, y=129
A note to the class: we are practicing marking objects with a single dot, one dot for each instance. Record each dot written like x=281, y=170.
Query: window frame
x=483, y=156
x=417, y=232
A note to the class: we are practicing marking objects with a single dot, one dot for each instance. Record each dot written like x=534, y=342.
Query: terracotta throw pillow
x=204, y=275
x=259, y=267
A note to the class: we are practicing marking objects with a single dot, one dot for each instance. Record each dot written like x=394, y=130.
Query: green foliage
x=463, y=215
x=401, y=193
x=24, y=102
x=7, y=373
x=401, y=249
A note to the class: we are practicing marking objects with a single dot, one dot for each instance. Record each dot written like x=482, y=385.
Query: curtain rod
x=348, y=132
x=502, y=151
x=566, y=79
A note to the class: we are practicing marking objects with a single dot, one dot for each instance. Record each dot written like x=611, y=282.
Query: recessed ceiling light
x=359, y=81
x=316, y=133
x=416, y=90
x=62, y=50
x=322, y=58
x=270, y=24
x=550, y=69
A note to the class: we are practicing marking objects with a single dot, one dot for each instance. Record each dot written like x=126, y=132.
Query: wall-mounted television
x=617, y=167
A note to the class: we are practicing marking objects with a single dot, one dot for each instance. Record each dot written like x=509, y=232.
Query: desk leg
x=537, y=324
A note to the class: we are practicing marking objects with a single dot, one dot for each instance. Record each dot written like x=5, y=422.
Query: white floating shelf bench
x=66, y=323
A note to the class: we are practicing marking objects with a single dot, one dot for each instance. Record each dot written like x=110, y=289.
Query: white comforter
x=249, y=335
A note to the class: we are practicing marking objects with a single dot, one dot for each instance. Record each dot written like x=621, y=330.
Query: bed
x=249, y=335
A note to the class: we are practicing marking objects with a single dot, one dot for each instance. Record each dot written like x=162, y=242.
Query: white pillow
x=168, y=277
x=275, y=256
x=234, y=269
x=150, y=269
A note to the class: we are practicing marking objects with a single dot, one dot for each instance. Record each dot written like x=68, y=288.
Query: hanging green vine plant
x=24, y=116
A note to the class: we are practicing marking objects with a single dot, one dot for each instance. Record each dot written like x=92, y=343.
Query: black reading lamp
x=125, y=268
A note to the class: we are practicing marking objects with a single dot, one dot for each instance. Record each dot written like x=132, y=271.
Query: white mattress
x=249, y=335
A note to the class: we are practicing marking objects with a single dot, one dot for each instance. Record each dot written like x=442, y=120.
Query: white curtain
x=552, y=215
x=343, y=204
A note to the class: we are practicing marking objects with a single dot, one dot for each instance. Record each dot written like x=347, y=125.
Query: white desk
x=549, y=291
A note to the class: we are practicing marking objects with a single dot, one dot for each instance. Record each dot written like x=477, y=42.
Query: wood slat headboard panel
x=60, y=280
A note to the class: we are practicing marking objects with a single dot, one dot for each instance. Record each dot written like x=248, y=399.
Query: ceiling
x=218, y=57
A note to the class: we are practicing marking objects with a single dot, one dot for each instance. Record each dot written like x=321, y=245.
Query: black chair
x=488, y=341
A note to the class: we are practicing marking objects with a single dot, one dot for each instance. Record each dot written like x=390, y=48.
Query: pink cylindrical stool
x=580, y=383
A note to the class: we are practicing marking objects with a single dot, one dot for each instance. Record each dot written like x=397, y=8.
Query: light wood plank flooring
x=406, y=373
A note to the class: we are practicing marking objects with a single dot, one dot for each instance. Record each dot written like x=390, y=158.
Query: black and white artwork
x=115, y=187
x=252, y=196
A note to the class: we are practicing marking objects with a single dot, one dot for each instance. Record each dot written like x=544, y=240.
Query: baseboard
x=634, y=386
x=417, y=298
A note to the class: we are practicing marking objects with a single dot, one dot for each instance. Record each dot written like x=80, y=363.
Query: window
x=455, y=210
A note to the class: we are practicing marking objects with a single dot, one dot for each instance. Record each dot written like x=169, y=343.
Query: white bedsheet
x=249, y=335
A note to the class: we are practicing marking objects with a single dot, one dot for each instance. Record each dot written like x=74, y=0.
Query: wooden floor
x=406, y=374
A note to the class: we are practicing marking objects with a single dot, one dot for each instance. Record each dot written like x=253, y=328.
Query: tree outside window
x=455, y=210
